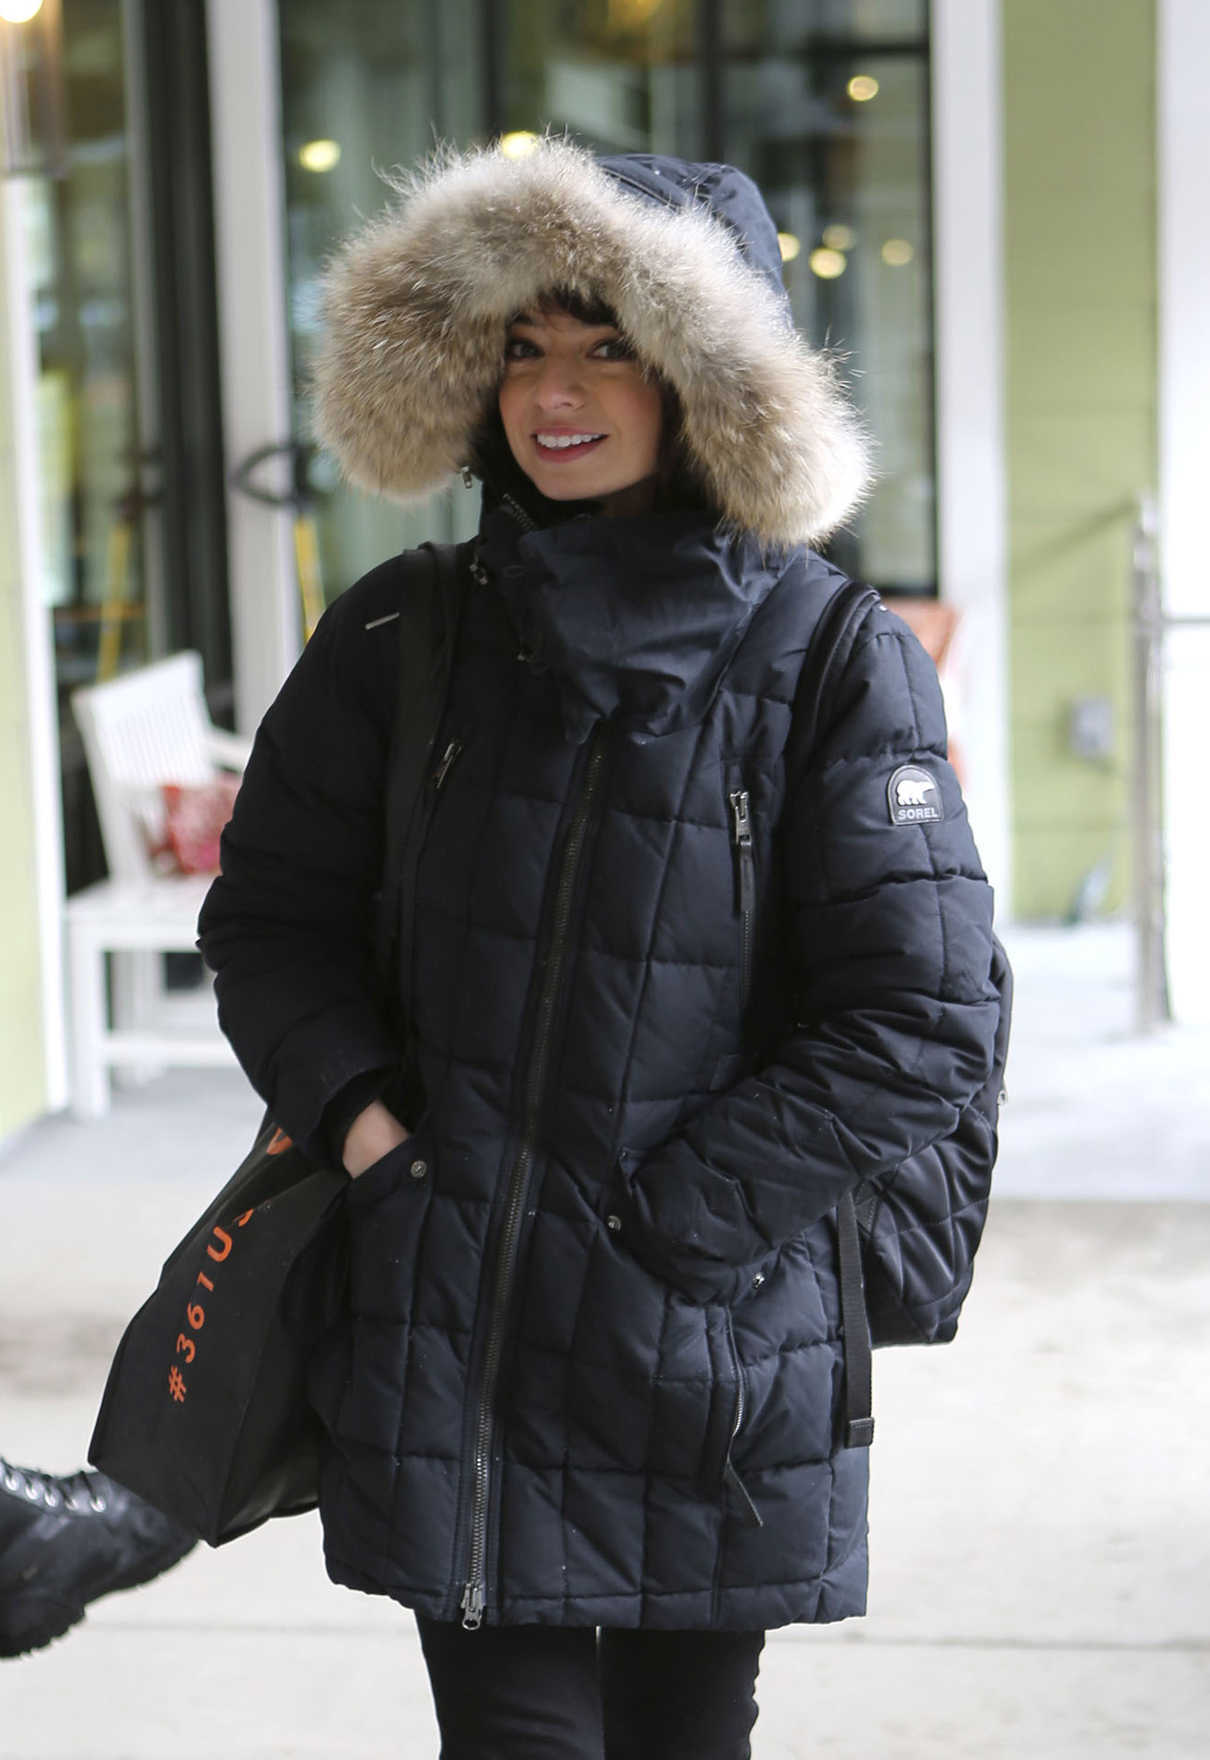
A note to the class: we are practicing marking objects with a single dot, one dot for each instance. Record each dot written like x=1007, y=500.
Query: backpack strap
x=433, y=590
x=858, y=1356
x=839, y=622
x=833, y=636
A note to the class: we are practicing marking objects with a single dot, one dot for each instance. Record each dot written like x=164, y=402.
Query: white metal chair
x=143, y=729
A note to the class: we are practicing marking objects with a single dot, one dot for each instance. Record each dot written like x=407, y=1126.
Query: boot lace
x=75, y=1491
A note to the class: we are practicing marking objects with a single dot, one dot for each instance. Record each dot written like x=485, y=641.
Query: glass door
x=93, y=446
x=124, y=473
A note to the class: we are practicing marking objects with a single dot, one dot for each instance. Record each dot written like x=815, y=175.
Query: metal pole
x=1151, y=626
x=1151, y=984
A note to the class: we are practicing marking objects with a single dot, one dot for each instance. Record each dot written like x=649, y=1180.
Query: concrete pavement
x=1039, y=1537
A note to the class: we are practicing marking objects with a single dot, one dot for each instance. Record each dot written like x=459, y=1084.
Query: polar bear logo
x=914, y=797
x=911, y=790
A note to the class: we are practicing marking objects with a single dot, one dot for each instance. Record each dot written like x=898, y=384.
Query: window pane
x=837, y=137
x=366, y=86
x=620, y=75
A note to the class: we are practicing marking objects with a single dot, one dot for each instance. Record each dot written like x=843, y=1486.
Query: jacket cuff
x=344, y=1107
x=701, y=1280
x=325, y=1055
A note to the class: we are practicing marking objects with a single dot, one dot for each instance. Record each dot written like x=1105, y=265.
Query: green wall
x=22, y=1071
x=1080, y=289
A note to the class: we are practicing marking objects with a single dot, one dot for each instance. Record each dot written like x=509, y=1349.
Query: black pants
x=558, y=1693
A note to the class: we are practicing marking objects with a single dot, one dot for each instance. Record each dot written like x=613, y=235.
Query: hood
x=417, y=305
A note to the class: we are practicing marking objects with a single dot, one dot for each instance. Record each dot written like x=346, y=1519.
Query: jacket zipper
x=474, y=1593
x=742, y=835
x=730, y=1474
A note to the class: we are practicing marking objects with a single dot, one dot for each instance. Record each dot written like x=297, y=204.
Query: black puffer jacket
x=671, y=995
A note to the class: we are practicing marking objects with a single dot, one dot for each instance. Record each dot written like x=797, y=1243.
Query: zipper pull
x=448, y=757
x=743, y=818
x=472, y=1607
x=741, y=809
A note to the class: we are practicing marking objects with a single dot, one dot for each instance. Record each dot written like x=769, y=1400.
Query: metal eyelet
x=418, y=1169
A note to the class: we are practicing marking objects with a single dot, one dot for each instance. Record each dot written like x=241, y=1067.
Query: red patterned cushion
x=194, y=816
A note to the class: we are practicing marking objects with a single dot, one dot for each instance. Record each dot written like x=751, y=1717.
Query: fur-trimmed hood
x=417, y=306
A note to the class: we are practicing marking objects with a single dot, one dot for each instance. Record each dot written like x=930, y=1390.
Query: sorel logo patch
x=913, y=797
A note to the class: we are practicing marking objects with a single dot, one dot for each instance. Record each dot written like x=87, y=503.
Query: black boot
x=66, y=1542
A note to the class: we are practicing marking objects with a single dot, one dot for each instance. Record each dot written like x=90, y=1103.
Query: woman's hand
x=372, y=1134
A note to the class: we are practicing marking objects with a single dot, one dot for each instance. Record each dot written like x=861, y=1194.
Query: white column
x=42, y=718
x=249, y=203
x=1183, y=270
x=971, y=486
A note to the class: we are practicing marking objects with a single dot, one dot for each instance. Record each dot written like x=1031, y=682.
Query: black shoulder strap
x=838, y=623
x=834, y=633
x=858, y=1356
x=432, y=592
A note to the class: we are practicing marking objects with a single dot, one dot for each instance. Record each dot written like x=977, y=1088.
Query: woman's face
x=581, y=419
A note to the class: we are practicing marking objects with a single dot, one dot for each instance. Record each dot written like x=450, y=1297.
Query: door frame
x=254, y=351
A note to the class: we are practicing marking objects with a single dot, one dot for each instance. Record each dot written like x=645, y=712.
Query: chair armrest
x=229, y=750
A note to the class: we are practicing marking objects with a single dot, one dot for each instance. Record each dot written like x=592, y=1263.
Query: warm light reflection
x=863, y=87
x=630, y=14
x=519, y=144
x=839, y=238
x=828, y=264
x=896, y=252
x=19, y=11
x=319, y=155
x=790, y=246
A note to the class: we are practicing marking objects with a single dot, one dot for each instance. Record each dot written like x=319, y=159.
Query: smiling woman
x=582, y=416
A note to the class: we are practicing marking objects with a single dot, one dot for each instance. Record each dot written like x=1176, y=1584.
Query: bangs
x=586, y=308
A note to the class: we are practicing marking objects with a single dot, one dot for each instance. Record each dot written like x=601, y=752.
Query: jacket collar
x=635, y=618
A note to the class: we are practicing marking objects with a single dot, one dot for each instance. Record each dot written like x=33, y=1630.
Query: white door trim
x=1183, y=273
x=40, y=700
x=968, y=182
x=249, y=212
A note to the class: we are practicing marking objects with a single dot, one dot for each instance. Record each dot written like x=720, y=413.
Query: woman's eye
x=618, y=349
x=518, y=348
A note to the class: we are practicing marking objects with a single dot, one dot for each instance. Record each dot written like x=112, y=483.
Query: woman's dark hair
x=588, y=308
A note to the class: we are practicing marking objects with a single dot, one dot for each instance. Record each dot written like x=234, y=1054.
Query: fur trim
x=417, y=303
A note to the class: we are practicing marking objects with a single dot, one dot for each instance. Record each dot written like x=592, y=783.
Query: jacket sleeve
x=888, y=929
x=288, y=927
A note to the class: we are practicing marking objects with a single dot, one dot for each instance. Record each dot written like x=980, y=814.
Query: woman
x=675, y=984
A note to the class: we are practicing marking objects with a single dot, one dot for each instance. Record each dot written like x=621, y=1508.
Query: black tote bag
x=205, y=1411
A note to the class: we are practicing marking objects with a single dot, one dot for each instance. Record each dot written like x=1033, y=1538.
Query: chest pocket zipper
x=745, y=884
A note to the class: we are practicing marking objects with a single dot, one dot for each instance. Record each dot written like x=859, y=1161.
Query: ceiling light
x=519, y=144
x=896, y=252
x=789, y=245
x=862, y=87
x=839, y=238
x=828, y=264
x=319, y=155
